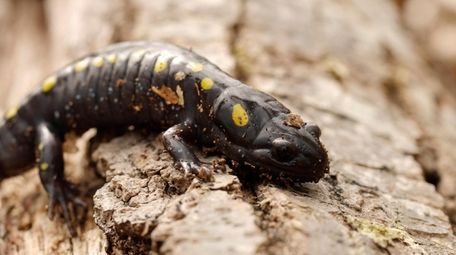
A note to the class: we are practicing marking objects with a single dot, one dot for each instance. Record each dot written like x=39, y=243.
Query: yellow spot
x=160, y=65
x=196, y=67
x=11, y=112
x=239, y=115
x=98, y=61
x=180, y=95
x=44, y=166
x=40, y=147
x=112, y=58
x=81, y=65
x=207, y=83
x=48, y=84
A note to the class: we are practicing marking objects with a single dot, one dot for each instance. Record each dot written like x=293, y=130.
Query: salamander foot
x=201, y=170
x=66, y=196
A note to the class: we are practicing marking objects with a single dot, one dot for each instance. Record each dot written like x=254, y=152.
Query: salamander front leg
x=174, y=141
x=49, y=157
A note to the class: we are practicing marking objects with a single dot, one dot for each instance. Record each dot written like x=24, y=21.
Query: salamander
x=164, y=87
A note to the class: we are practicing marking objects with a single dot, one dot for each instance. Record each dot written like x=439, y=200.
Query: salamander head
x=287, y=146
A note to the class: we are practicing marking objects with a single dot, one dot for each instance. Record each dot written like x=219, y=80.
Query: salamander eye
x=283, y=150
x=313, y=129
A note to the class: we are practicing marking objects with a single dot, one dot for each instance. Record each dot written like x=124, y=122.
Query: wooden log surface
x=369, y=72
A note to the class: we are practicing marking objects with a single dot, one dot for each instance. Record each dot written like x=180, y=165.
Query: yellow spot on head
x=98, y=61
x=207, y=83
x=112, y=58
x=195, y=67
x=40, y=147
x=160, y=65
x=11, y=112
x=44, y=166
x=81, y=65
x=48, y=84
x=239, y=115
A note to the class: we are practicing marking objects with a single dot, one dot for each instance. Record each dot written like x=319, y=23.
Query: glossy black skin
x=122, y=93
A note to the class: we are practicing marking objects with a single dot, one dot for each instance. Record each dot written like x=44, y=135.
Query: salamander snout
x=291, y=148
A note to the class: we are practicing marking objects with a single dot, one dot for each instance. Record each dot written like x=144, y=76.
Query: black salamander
x=164, y=87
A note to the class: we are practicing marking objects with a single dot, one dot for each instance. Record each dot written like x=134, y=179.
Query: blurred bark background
x=378, y=76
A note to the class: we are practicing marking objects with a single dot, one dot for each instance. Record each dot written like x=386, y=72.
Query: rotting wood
x=375, y=200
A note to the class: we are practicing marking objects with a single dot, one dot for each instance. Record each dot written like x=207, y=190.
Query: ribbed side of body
x=127, y=84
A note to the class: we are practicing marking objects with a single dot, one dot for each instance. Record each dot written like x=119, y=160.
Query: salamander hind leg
x=49, y=156
x=175, y=143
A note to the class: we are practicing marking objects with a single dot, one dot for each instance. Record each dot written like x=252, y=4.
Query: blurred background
x=378, y=75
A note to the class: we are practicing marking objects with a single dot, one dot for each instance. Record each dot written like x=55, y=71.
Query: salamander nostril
x=313, y=129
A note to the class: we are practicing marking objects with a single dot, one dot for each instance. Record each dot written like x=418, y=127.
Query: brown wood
x=360, y=69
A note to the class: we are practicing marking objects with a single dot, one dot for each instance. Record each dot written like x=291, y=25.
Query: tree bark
x=360, y=69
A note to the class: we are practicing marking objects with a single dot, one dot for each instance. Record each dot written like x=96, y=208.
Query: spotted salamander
x=164, y=87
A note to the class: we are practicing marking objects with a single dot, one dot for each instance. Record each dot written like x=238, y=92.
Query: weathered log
x=387, y=119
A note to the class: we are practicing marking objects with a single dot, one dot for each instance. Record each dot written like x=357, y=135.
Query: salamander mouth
x=299, y=170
